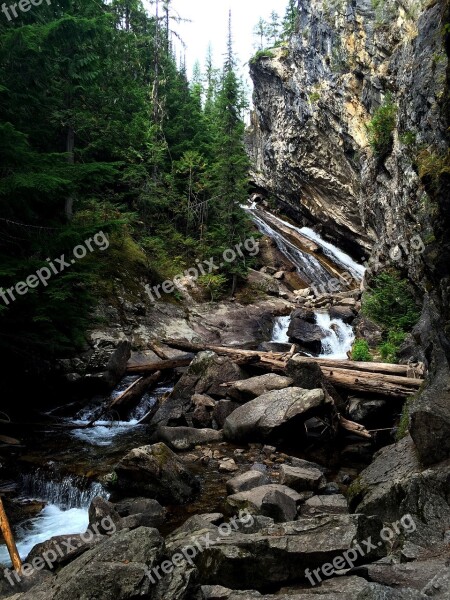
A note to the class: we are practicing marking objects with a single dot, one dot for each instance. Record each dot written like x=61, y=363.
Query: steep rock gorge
x=310, y=149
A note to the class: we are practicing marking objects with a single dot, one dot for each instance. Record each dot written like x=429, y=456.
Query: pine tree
x=273, y=30
x=290, y=21
x=261, y=32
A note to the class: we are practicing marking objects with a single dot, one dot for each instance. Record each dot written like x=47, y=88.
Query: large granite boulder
x=273, y=413
x=185, y=438
x=257, y=386
x=156, y=472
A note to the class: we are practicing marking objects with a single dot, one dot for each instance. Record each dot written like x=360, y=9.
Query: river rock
x=103, y=517
x=279, y=506
x=185, y=438
x=222, y=410
x=307, y=375
x=114, y=570
x=367, y=412
x=156, y=472
x=141, y=512
x=334, y=504
x=62, y=549
x=205, y=375
x=257, y=386
x=273, y=412
x=301, y=479
x=246, y=481
x=279, y=553
x=252, y=500
x=345, y=313
x=308, y=335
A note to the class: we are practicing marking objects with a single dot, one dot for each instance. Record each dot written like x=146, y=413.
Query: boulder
x=367, y=412
x=185, y=438
x=345, y=313
x=279, y=506
x=252, y=500
x=301, y=479
x=103, y=516
x=273, y=413
x=257, y=386
x=396, y=484
x=246, y=481
x=308, y=335
x=114, y=570
x=222, y=410
x=335, y=504
x=156, y=472
x=63, y=548
x=204, y=375
x=140, y=512
x=307, y=375
x=202, y=417
x=278, y=553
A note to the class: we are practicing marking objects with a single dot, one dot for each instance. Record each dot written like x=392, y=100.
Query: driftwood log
x=9, y=539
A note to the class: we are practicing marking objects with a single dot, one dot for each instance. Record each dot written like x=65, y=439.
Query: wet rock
x=335, y=504
x=301, y=479
x=252, y=500
x=345, y=313
x=205, y=375
x=257, y=386
x=246, y=481
x=156, y=472
x=185, y=438
x=103, y=517
x=273, y=412
x=308, y=335
x=222, y=410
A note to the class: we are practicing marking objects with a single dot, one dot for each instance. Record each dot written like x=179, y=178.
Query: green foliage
x=314, y=97
x=408, y=138
x=361, y=351
x=432, y=165
x=389, y=348
x=381, y=127
x=213, y=284
x=390, y=303
x=261, y=54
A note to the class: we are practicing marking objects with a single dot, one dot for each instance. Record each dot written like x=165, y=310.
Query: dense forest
x=103, y=134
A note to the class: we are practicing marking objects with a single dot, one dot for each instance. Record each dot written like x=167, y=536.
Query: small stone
x=267, y=450
x=228, y=466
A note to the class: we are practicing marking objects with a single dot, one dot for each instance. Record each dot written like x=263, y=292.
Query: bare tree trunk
x=9, y=539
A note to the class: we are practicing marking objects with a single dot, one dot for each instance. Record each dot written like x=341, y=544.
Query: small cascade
x=279, y=332
x=340, y=336
x=66, y=511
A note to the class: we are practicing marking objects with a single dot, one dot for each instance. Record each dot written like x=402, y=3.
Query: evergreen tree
x=290, y=19
x=273, y=29
x=261, y=32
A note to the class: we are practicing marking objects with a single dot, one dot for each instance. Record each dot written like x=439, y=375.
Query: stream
x=66, y=490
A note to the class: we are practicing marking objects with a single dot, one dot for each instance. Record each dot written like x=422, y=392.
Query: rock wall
x=310, y=150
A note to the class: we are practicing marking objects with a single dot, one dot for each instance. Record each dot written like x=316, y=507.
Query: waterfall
x=340, y=336
x=308, y=267
x=66, y=511
x=279, y=332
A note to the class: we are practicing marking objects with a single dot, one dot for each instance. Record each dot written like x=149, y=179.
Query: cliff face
x=308, y=140
x=310, y=149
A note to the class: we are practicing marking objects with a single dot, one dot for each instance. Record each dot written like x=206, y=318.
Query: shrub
x=389, y=348
x=381, y=126
x=390, y=303
x=433, y=165
x=360, y=351
x=214, y=284
x=261, y=54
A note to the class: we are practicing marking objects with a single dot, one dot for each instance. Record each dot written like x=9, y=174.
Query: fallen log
x=375, y=383
x=162, y=365
x=373, y=367
x=355, y=428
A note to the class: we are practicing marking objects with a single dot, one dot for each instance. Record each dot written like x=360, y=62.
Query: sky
x=210, y=24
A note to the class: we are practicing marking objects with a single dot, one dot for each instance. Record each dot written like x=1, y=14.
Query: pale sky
x=210, y=24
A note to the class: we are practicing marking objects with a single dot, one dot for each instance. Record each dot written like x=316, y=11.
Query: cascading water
x=279, y=332
x=340, y=336
x=66, y=511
